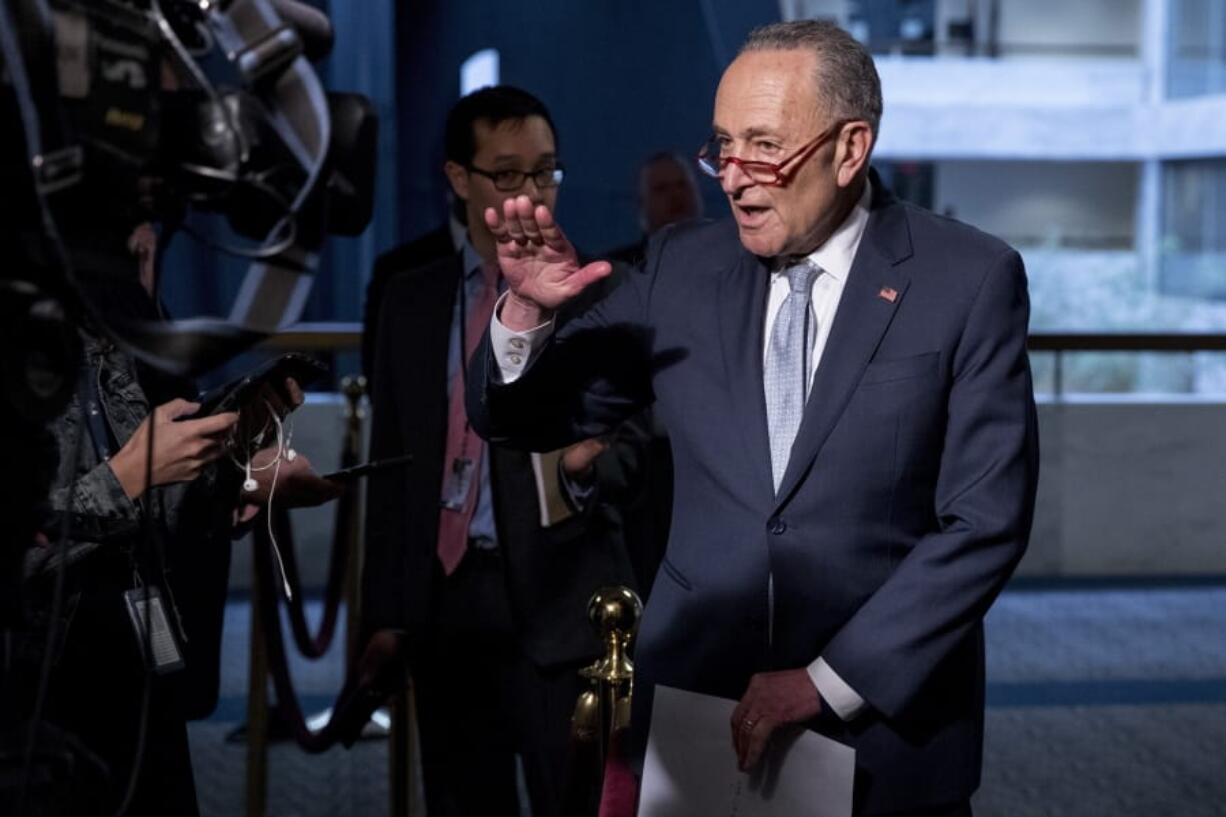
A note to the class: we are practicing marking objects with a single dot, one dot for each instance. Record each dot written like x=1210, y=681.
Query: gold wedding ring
x=747, y=725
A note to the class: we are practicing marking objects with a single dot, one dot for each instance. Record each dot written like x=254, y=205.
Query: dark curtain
x=622, y=78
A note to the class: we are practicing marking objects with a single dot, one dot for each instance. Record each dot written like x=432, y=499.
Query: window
x=1192, y=253
x=1197, y=48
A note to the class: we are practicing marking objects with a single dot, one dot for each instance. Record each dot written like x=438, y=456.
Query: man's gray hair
x=847, y=79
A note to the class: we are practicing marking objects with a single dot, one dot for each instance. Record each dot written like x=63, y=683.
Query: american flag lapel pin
x=888, y=294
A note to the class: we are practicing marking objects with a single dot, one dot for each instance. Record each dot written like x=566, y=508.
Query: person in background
x=440, y=242
x=480, y=560
x=668, y=194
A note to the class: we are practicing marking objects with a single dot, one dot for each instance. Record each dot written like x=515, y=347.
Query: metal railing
x=1062, y=343
x=344, y=337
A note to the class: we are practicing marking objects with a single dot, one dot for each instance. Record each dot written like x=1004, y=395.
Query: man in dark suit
x=845, y=382
x=668, y=194
x=489, y=591
x=441, y=242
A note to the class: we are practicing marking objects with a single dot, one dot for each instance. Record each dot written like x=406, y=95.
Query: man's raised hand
x=541, y=266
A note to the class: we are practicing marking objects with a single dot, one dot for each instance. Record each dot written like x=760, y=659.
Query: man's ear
x=855, y=143
x=457, y=176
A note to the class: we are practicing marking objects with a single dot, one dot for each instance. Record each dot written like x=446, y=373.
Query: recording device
x=368, y=468
x=243, y=392
x=127, y=111
x=262, y=403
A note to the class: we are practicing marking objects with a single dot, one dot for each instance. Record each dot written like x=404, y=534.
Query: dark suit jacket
x=906, y=504
x=423, y=250
x=550, y=572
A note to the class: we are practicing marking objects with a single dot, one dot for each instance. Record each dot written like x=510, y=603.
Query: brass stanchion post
x=400, y=753
x=257, y=710
x=614, y=612
x=603, y=710
x=355, y=415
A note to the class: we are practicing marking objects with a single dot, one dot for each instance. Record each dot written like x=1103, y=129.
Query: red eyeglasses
x=711, y=163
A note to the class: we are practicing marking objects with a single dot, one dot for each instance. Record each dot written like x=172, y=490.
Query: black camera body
x=127, y=111
x=119, y=112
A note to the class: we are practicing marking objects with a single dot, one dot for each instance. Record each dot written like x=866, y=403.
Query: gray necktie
x=786, y=376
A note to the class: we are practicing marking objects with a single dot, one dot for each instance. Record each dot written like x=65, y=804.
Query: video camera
x=120, y=112
x=148, y=110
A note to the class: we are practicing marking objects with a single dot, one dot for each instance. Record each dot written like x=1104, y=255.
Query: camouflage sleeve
x=97, y=495
x=98, y=513
x=85, y=494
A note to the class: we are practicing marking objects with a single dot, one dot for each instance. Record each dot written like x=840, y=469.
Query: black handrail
x=347, y=336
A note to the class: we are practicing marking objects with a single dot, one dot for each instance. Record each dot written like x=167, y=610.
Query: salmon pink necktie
x=462, y=457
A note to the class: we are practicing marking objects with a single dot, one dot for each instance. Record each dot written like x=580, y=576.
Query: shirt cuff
x=844, y=700
x=515, y=351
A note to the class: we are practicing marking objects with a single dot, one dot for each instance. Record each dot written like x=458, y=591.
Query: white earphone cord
x=249, y=484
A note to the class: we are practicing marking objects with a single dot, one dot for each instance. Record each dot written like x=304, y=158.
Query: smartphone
x=236, y=393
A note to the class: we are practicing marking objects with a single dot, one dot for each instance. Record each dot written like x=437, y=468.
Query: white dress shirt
x=515, y=351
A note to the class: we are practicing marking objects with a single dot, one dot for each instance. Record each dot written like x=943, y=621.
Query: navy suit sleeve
x=939, y=592
x=592, y=375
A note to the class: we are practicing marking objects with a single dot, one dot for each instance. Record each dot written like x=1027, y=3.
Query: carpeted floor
x=1104, y=700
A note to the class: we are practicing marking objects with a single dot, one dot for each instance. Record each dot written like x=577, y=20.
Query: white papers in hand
x=690, y=769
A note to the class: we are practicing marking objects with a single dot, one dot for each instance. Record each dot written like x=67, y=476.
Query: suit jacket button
x=776, y=525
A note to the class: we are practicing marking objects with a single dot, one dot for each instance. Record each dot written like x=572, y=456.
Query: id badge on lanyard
x=152, y=629
x=459, y=481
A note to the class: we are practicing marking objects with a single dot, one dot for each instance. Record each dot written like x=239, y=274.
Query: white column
x=1155, y=45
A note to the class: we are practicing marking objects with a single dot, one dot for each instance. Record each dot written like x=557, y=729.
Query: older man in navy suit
x=845, y=381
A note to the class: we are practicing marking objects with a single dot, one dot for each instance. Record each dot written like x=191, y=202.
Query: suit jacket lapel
x=863, y=315
x=426, y=323
x=742, y=315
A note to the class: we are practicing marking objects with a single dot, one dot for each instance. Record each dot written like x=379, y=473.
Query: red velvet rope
x=270, y=620
x=315, y=646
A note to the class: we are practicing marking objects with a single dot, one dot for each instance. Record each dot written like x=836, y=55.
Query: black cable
x=261, y=253
x=148, y=536
x=18, y=77
x=57, y=604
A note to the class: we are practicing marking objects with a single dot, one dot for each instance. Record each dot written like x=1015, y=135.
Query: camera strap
x=269, y=56
x=95, y=413
x=55, y=163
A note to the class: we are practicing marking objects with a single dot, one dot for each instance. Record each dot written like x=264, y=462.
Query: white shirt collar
x=835, y=256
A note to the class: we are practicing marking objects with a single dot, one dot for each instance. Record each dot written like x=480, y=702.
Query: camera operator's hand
x=258, y=410
x=181, y=448
x=298, y=486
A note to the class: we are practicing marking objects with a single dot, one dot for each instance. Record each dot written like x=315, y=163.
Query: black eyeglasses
x=510, y=180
